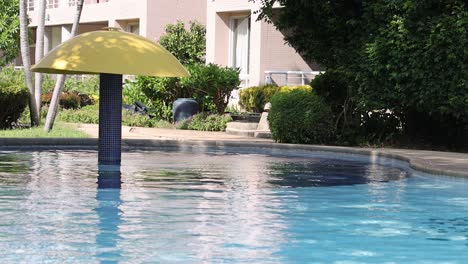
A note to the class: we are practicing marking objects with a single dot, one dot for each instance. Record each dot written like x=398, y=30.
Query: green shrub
x=88, y=115
x=9, y=31
x=88, y=85
x=253, y=99
x=233, y=110
x=333, y=87
x=379, y=127
x=13, y=97
x=148, y=89
x=151, y=91
x=408, y=57
x=300, y=116
x=137, y=120
x=188, y=46
x=212, y=82
x=211, y=85
x=26, y=115
x=206, y=122
x=48, y=84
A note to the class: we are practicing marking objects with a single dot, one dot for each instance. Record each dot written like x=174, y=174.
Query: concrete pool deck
x=433, y=162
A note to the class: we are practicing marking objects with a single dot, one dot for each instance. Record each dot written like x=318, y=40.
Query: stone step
x=246, y=129
x=262, y=134
x=249, y=129
x=242, y=126
x=238, y=132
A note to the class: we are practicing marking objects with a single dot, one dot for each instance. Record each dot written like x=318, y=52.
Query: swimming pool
x=227, y=206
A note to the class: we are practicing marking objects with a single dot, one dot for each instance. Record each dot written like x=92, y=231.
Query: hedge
x=13, y=97
x=253, y=99
x=300, y=116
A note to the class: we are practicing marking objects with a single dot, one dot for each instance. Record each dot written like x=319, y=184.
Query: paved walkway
x=171, y=134
x=436, y=162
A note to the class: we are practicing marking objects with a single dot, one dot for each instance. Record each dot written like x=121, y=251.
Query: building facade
x=147, y=18
x=234, y=36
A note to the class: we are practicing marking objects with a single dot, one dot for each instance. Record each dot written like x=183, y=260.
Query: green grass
x=59, y=131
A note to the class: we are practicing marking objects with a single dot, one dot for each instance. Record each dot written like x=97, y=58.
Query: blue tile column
x=110, y=119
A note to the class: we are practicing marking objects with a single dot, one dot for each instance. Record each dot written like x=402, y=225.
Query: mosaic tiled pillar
x=109, y=179
x=110, y=119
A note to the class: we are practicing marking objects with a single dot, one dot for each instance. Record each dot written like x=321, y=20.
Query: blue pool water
x=227, y=207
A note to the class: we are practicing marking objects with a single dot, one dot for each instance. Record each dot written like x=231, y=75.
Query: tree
x=24, y=41
x=9, y=31
x=188, y=46
x=407, y=56
x=54, y=102
x=41, y=8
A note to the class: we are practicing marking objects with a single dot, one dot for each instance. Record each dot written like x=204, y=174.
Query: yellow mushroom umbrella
x=110, y=53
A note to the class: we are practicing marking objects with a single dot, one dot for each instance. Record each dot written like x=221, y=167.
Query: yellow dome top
x=110, y=51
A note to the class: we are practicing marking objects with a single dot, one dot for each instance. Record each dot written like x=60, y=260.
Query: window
x=52, y=4
x=30, y=5
x=240, y=44
x=134, y=28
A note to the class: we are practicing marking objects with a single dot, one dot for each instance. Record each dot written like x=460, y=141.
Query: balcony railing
x=290, y=77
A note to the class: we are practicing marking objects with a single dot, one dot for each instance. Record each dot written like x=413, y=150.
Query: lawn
x=60, y=131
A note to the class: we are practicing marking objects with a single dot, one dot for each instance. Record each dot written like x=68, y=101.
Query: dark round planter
x=184, y=108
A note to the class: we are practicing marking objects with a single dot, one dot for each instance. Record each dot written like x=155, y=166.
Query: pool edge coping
x=76, y=143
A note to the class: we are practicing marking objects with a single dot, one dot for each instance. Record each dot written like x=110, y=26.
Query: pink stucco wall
x=109, y=11
x=152, y=15
x=279, y=56
x=163, y=12
x=268, y=50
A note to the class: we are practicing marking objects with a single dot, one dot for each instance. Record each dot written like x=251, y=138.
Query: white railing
x=304, y=76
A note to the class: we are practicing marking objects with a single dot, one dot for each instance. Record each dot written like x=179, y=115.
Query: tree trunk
x=54, y=102
x=41, y=8
x=24, y=42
